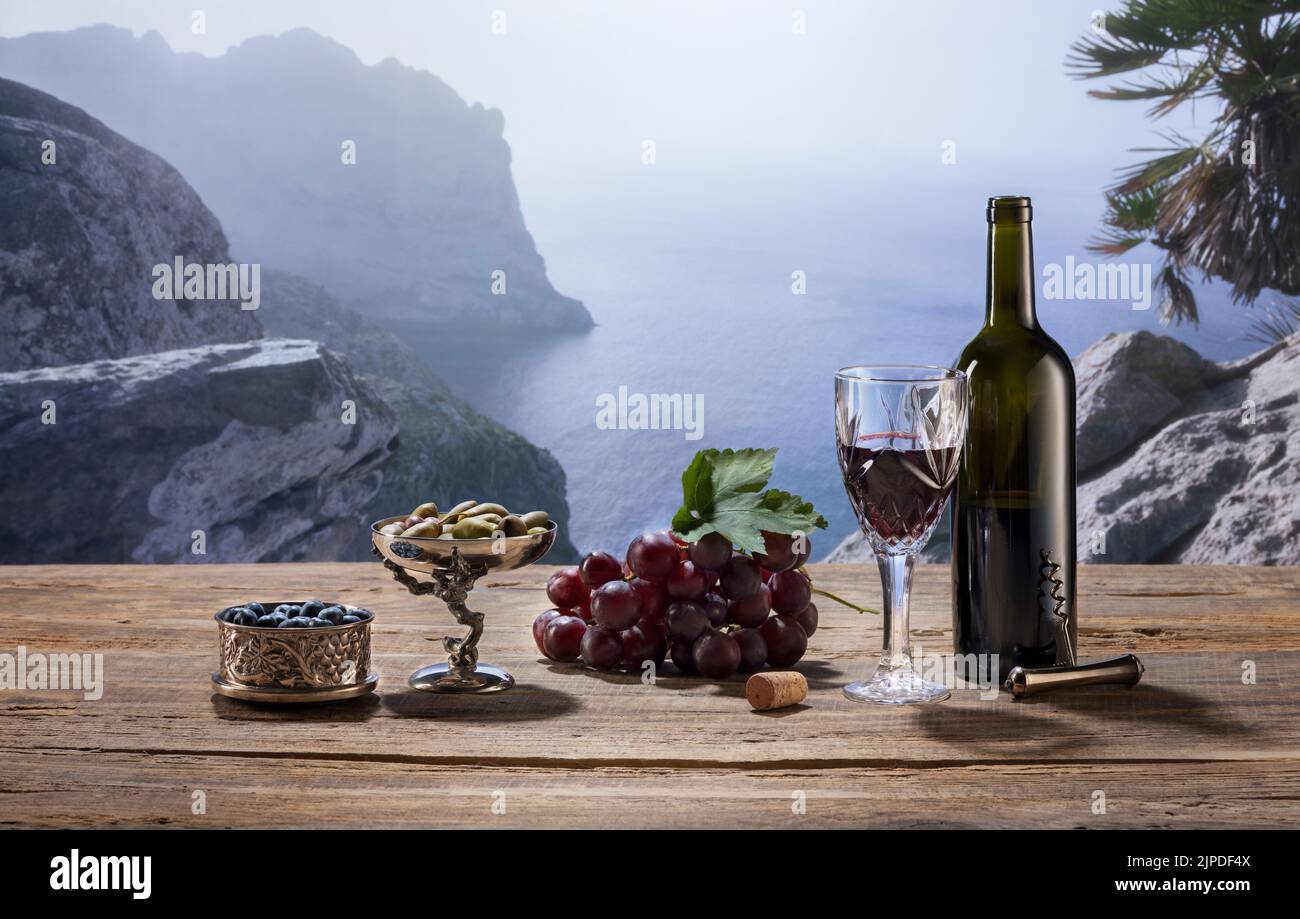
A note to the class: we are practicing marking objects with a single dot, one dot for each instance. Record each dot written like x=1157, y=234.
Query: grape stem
x=837, y=599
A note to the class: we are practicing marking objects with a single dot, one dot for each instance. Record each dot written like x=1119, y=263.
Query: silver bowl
x=451, y=567
x=427, y=555
x=323, y=664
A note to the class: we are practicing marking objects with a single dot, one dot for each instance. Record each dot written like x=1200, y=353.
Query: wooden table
x=1193, y=745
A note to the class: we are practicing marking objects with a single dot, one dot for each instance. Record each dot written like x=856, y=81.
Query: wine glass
x=899, y=432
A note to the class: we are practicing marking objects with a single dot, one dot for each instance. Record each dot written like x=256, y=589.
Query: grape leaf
x=721, y=494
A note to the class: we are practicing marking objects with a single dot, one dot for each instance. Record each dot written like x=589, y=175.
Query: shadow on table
x=524, y=702
x=343, y=711
x=1037, y=719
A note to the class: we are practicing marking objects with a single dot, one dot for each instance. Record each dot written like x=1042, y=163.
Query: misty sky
x=720, y=86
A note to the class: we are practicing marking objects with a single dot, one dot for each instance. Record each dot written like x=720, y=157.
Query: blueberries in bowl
x=314, y=614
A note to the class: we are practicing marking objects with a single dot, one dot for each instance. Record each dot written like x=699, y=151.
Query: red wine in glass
x=897, y=490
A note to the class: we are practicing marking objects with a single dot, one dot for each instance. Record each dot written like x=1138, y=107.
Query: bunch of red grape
x=713, y=610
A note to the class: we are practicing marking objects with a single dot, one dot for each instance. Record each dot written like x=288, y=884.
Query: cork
x=766, y=691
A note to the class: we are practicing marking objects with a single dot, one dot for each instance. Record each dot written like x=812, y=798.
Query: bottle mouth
x=1010, y=209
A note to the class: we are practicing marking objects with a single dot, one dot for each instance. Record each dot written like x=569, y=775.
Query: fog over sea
x=689, y=281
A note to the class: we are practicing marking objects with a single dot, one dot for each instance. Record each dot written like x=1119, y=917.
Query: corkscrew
x=1049, y=577
x=1126, y=669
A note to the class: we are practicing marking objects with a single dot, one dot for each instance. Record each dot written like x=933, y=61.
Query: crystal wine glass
x=899, y=432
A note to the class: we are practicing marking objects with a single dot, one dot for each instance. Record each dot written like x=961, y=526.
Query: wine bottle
x=1013, y=532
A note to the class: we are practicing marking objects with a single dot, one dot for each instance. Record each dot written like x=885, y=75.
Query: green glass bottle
x=1013, y=533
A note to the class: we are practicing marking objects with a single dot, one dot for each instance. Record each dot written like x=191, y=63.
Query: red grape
x=682, y=657
x=654, y=599
x=753, y=649
x=711, y=578
x=615, y=605
x=599, y=568
x=641, y=644
x=780, y=554
x=565, y=588
x=686, y=582
x=765, y=575
x=652, y=556
x=807, y=619
x=715, y=607
x=752, y=610
x=740, y=577
x=602, y=648
x=791, y=592
x=562, y=640
x=686, y=621
x=786, y=641
x=711, y=552
x=716, y=655
x=539, y=627
x=583, y=609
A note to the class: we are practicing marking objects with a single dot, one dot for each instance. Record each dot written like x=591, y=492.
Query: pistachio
x=474, y=528
x=458, y=511
x=513, y=525
x=536, y=530
x=392, y=529
x=429, y=529
x=479, y=510
x=427, y=509
x=536, y=519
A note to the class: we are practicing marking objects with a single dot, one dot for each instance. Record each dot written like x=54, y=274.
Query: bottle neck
x=1010, y=294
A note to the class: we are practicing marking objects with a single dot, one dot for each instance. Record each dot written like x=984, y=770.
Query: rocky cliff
x=413, y=229
x=1180, y=459
x=131, y=445
x=132, y=459
x=86, y=216
x=446, y=451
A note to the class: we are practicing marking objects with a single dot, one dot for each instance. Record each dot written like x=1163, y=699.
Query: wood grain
x=1195, y=744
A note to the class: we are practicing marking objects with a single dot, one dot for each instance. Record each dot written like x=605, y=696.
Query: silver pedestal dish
x=452, y=566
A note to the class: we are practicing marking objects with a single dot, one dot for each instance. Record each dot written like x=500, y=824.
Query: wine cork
x=766, y=691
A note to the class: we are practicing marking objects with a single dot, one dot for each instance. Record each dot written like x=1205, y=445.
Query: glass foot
x=896, y=687
x=444, y=678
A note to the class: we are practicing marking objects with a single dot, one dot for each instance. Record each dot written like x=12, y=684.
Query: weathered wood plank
x=1193, y=716
x=70, y=790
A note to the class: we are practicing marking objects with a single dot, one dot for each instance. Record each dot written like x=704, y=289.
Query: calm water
x=705, y=306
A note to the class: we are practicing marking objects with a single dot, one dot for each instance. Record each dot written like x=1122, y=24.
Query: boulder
x=1126, y=385
x=1217, y=483
x=250, y=443
x=85, y=221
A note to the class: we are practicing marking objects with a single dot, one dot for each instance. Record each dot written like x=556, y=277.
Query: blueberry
x=244, y=617
x=283, y=608
x=267, y=622
x=228, y=615
x=363, y=614
x=278, y=617
x=255, y=609
x=348, y=620
x=297, y=622
x=312, y=607
x=319, y=623
x=333, y=614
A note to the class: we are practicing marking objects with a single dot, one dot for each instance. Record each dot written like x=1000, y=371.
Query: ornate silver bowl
x=293, y=665
x=453, y=565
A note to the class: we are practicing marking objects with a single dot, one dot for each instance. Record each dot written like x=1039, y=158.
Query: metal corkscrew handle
x=1125, y=670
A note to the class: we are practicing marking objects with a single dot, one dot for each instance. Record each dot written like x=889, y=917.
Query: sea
x=746, y=304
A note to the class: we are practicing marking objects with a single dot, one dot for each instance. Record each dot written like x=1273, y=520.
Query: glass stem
x=896, y=577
